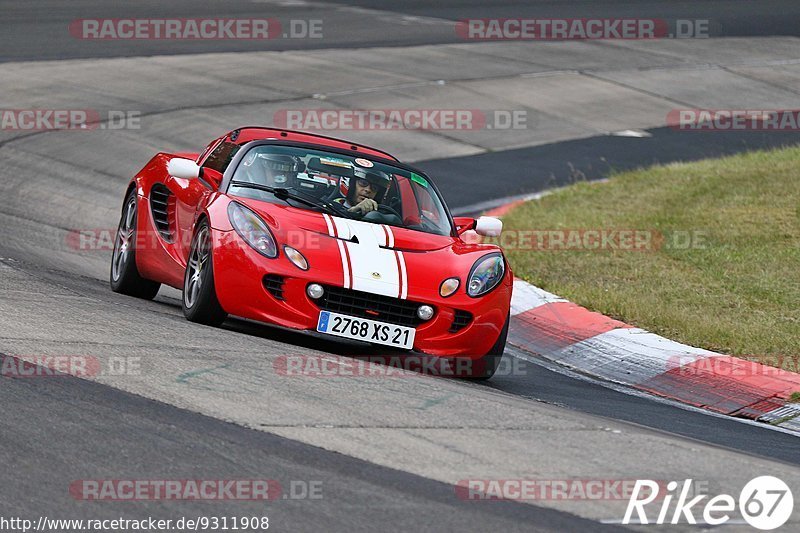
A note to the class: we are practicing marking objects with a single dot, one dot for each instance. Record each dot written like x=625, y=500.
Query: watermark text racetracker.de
x=401, y=119
x=195, y=489
x=545, y=489
x=560, y=29
x=82, y=366
x=736, y=367
x=68, y=119
x=721, y=120
x=195, y=29
x=389, y=366
x=102, y=239
x=593, y=239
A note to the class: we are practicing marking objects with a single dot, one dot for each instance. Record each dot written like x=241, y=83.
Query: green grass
x=735, y=289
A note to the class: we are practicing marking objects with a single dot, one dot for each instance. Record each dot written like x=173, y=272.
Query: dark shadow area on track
x=465, y=181
x=539, y=383
x=39, y=29
x=95, y=432
x=726, y=18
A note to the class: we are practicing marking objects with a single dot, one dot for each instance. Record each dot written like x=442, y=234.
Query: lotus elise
x=314, y=233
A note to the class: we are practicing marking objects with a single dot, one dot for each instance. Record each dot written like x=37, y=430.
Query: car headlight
x=252, y=229
x=486, y=274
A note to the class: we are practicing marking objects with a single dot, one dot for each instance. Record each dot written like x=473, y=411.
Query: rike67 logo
x=765, y=503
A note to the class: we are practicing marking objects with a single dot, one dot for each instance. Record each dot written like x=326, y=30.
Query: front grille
x=368, y=305
x=460, y=321
x=274, y=284
x=162, y=206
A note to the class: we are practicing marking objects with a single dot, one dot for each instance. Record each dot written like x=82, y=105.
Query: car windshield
x=347, y=186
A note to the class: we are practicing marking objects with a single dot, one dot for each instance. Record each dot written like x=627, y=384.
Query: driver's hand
x=365, y=206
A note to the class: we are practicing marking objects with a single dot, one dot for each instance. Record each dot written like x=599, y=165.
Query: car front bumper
x=274, y=291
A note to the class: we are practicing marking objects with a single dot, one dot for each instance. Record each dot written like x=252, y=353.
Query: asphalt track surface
x=358, y=496
x=34, y=30
x=61, y=429
x=588, y=159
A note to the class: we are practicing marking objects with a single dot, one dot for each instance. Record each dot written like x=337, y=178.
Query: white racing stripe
x=369, y=265
x=328, y=223
x=401, y=263
x=342, y=252
x=389, y=236
x=403, y=275
x=345, y=264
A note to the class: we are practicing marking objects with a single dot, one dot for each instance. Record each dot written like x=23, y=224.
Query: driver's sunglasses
x=361, y=182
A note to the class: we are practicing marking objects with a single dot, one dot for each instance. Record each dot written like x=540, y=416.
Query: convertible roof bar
x=284, y=132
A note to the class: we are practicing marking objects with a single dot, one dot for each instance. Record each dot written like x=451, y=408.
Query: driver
x=364, y=191
x=274, y=170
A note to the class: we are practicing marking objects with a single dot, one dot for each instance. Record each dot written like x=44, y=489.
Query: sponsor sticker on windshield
x=366, y=163
x=333, y=162
x=416, y=178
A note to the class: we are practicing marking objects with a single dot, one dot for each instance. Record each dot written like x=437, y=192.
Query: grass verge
x=706, y=253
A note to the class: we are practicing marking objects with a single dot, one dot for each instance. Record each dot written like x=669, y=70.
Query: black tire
x=485, y=367
x=199, y=300
x=124, y=276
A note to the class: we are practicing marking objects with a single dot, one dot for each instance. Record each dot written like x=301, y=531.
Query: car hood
x=288, y=218
x=372, y=257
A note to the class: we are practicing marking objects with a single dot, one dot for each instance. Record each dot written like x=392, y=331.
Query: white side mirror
x=183, y=168
x=489, y=226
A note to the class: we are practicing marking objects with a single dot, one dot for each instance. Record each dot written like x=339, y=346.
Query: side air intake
x=162, y=207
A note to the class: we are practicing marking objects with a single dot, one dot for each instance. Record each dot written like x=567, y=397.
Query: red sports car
x=315, y=233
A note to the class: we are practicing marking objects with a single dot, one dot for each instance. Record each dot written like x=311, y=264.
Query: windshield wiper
x=282, y=193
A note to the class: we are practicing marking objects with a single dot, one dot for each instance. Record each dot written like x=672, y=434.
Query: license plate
x=365, y=329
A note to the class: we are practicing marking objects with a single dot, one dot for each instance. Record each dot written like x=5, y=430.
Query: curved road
x=384, y=450
x=35, y=30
